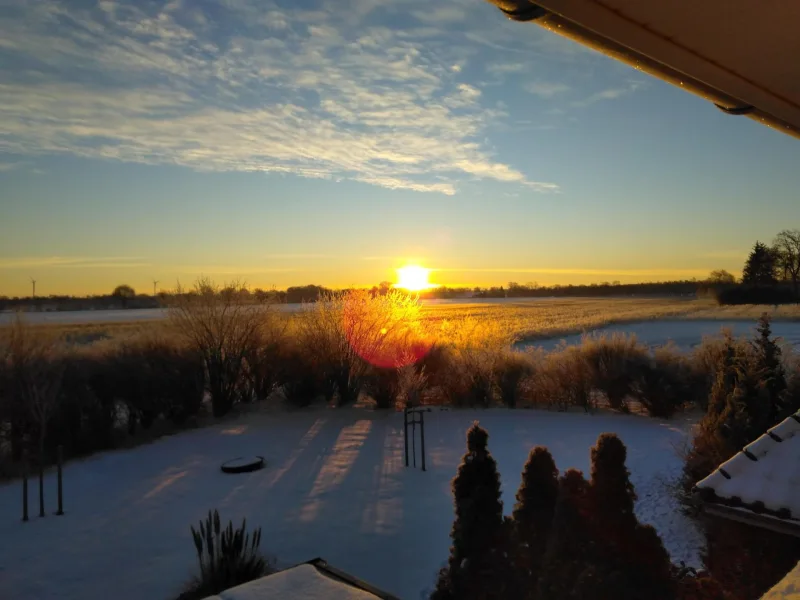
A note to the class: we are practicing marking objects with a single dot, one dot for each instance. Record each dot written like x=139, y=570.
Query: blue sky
x=286, y=143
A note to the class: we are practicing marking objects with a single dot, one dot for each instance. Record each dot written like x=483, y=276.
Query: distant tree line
x=771, y=275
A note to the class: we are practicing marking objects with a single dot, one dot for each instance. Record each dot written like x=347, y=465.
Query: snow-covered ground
x=335, y=486
x=76, y=317
x=684, y=333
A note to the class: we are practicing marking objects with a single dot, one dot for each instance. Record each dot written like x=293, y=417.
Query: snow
x=685, y=334
x=303, y=581
x=335, y=486
x=73, y=317
x=772, y=479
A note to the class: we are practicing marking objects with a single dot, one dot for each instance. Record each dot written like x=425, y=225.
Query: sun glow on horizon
x=413, y=278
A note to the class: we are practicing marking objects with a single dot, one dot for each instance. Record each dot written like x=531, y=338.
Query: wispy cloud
x=545, y=89
x=441, y=14
x=298, y=256
x=71, y=262
x=677, y=273
x=230, y=270
x=608, y=94
x=6, y=167
x=506, y=67
x=316, y=94
x=726, y=254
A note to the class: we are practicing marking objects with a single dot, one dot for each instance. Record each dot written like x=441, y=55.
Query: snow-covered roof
x=303, y=582
x=764, y=478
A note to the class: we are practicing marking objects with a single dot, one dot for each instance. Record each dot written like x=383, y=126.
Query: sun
x=413, y=278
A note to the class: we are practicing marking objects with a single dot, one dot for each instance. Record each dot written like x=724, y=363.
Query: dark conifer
x=478, y=567
x=533, y=518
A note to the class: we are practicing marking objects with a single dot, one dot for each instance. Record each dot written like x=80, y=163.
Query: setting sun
x=413, y=278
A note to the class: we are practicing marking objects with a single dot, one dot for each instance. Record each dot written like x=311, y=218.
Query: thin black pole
x=60, y=481
x=414, y=439
x=422, y=437
x=24, y=486
x=41, y=484
x=405, y=431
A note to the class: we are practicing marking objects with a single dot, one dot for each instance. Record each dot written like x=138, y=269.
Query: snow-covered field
x=78, y=317
x=684, y=333
x=335, y=486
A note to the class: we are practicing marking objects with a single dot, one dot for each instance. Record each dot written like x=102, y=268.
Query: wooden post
x=405, y=431
x=24, y=485
x=41, y=484
x=60, y=481
x=422, y=437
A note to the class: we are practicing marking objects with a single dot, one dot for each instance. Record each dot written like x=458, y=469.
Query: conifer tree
x=760, y=267
x=478, y=567
x=570, y=550
x=768, y=355
x=533, y=518
x=631, y=562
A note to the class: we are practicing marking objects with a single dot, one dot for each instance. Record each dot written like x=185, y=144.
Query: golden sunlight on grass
x=413, y=278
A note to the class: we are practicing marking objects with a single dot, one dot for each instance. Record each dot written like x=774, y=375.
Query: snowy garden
x=335, y=486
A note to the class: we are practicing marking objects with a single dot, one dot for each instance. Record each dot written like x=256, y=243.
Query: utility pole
x=155, y=283
x=33, y=281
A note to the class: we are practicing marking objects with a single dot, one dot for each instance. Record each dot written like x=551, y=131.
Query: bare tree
x=787, y=248
x=721, y=276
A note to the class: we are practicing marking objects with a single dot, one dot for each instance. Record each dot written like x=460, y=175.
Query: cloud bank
x=245, y=85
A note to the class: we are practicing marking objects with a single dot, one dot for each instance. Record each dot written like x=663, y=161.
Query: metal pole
x=60, y=481
x=405, y=431
x=422, y=437
x=24, y=486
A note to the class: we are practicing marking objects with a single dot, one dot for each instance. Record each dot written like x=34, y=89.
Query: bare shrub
x=33, y=368
x=564, y=379
x=662, y=383
x=412, y=382
x=157, y=376
x=612, y=362
x=511, y=369
x=349, y=334
x=298, y=377
x=474, y=349
x=265, y=358
x=224, y=329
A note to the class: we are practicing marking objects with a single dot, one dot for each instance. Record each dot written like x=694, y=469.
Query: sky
x=295, y=142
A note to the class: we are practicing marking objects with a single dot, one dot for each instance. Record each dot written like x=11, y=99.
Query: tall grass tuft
x=227, y=557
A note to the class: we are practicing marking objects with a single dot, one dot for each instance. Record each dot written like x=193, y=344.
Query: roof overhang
x=741, y=56
x=763, y=521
